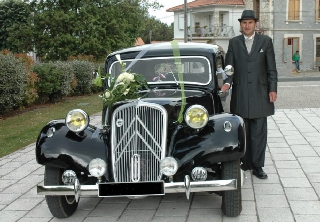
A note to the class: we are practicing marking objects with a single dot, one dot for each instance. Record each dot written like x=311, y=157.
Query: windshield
x=160, y=70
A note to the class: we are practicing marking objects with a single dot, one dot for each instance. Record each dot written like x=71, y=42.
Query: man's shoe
x=258, y=172
x=244, y=168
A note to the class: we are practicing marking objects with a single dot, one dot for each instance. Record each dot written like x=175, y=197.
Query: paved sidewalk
x=291, y=193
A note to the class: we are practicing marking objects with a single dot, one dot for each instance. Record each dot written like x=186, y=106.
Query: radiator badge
x=119, y=122
x=135, y=168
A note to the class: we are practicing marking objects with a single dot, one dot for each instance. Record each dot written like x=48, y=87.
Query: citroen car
x=173, y=137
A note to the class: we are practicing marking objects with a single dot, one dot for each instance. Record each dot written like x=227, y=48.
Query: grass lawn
x=23, y=128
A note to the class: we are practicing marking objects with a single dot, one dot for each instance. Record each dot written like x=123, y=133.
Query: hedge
x=13, y=76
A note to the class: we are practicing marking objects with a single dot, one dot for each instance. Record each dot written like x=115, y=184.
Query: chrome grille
x=138, y=141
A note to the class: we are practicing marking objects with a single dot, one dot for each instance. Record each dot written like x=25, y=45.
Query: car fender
x=212, y=144
x=66, y=149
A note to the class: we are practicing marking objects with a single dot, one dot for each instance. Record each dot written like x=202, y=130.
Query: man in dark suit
x=254, y=88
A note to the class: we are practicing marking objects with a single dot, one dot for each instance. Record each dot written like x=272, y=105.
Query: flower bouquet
x=126, y=86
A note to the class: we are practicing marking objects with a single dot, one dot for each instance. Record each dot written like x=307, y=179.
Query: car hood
x=171, y=100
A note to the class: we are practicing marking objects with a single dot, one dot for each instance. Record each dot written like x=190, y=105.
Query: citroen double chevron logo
x=135, y=168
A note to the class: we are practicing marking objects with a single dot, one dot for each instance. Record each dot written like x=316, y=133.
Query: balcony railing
x=211, y=31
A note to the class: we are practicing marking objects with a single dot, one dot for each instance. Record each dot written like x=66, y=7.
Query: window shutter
x=291, y=10
x=297, y=10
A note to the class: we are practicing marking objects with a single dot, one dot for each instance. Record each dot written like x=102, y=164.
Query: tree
x=155, y=30
x=63, y=28
x=14, y=15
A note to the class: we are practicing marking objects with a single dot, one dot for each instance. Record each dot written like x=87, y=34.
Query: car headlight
x=77, y=120
x=97, y=167
x=196, y=116
x=168, y=166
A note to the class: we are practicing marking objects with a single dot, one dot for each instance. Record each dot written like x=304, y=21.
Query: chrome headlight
x=168, y=166
x=77, y=120
x=97, y=167
x=196, y=116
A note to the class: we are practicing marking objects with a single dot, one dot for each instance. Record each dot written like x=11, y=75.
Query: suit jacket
x=255, y=75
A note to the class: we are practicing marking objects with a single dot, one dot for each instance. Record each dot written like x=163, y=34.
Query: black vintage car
x=174, y=136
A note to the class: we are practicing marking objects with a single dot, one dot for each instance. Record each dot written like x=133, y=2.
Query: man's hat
x=247, y=14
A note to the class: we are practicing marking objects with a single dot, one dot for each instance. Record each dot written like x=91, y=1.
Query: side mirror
x=229, y=70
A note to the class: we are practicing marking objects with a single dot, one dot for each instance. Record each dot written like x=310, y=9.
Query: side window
x=294, y=10
x=290, y=45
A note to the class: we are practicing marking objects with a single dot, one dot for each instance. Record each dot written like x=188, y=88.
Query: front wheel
x=231, y=200
x=59, y=206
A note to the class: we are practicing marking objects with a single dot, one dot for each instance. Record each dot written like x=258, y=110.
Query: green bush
x=12, y=82
x=83, y=71
x=48, y=85
x=67, y=77
x=31, y=94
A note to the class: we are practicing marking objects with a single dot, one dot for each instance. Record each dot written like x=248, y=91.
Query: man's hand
x=225, y=87
x=272, y=96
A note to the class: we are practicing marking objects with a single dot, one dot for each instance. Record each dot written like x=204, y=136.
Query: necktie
x=249, y=44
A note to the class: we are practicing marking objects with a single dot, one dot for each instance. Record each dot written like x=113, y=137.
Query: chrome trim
x=135, y=168
x=166, y=58
x=77, y=190
x=187, y=185
x=143, y=133
x=175, y=187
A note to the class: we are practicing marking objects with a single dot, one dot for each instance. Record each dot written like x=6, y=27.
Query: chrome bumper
x=174, y=187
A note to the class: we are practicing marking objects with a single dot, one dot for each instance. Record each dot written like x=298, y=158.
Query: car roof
x=165, y=49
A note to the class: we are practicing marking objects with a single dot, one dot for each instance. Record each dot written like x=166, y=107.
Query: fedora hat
x=247, y=14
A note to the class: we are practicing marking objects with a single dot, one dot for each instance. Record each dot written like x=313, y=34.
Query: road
x=291, y=193
x=298, y=94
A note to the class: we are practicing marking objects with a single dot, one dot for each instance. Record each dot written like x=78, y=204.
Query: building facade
x=296, y=28
x=294, y=25
x=209, y=21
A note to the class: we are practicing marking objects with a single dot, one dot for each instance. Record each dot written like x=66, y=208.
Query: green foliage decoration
x=13, y=74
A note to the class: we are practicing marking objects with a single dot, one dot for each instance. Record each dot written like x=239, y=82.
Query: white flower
x=107, y=94
x=126, y=77
x=126, y=91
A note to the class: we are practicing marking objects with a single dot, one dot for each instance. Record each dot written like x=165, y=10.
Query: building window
x=318, y=51
x=290, y=46
x=181, y=22
x=294, y=10
x=317, y=9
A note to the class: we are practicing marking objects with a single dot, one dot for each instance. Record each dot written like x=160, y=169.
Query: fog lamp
x=97, y=167
x=77, y=120
x=199, y=174
x=69, y=177
x=168, y=166
x=196, y=116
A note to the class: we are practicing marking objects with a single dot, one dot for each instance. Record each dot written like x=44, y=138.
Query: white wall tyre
x=59, y=206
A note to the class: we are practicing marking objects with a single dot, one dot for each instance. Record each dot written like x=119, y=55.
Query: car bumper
x=175, y=187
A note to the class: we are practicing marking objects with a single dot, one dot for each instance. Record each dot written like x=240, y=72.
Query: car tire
x=59, y=206
x=231, y=200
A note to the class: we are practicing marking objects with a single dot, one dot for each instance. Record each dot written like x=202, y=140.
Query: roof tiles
x=199, y=3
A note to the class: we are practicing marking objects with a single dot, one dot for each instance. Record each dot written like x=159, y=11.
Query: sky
x=162, y=15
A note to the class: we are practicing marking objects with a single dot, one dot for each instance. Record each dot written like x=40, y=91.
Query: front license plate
x=131, y=189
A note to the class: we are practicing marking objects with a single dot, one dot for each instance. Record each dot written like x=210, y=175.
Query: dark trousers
x=256, y=142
